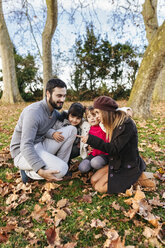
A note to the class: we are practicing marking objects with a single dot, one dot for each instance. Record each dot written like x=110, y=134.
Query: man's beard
x=54, y=105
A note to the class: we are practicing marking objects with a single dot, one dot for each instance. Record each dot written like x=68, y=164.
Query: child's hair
x=76, y=109
x=89, y=109
x=111, y=120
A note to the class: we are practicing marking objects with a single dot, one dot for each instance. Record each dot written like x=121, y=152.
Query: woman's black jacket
x=125, y=164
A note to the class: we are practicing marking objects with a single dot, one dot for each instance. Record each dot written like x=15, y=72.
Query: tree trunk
x=152, y=64
x=149, y=13
x=151, y=25
x=50, y=26
x=10, y=92
x=159, y=90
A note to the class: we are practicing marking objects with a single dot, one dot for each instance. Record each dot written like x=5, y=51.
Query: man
x=34, y=144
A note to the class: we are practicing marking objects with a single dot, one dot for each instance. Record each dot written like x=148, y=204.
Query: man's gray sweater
x=33, y=124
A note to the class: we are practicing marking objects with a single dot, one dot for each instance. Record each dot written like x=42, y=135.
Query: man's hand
x=58, y=137
x=49, y=175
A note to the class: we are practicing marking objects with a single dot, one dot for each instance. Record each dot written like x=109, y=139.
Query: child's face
x=74, y=120
x=92, y=119
x=98, y=115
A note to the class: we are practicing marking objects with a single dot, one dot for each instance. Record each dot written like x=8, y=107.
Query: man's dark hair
x=54, y=82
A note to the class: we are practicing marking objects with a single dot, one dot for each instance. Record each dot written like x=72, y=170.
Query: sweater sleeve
x=29, y=131
x=124, y=133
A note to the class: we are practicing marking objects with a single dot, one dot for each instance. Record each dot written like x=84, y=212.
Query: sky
x=101, y=11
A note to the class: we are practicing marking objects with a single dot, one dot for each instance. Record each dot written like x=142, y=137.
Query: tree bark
x=159, y=90
x=10, y=92
x=149, y=13
x=151, y=25
x=152, y=64
x=50, y=26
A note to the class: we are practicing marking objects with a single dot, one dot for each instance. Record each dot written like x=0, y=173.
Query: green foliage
x=28, y=81
x=96, y=60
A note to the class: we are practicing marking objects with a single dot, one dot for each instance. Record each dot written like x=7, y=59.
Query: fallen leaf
x=11, y=198
x=39, y=212
x=51, y=235
x=113, y=241
x=3, y=238
x=139, y=195
x=129, y=192
x=97, y=223
x=46, y=197
x=97, y=236
x=148, y=232
x=61, y=214
x=116, y=206
x=62, y=203
x=50, y=186
x=87, y=198
x=70, y=245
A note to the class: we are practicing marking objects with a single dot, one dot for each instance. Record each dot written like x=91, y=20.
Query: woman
x=125, y=164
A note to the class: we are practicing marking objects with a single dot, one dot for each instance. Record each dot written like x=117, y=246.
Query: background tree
x=50, y=26
x=98, y=62
x=29, y=82
x=153, y=63
x=10, y=92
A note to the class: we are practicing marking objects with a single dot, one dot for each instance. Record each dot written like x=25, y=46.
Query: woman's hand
x=58, y=137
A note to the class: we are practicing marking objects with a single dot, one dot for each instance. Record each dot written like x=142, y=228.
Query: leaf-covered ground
x=70, y=213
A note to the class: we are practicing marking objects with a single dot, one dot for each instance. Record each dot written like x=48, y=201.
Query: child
x=72, y=117
x=96, y=159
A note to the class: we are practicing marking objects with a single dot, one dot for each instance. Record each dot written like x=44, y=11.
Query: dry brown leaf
x=70, y=245
x=129, y=192
x=39, y=212
x=9, y=175
x=113, y=241
x=25, y=187
x=129, y=201
x=116, y=206
x=97, y=236
x=139, y=195
x=46, y=197
x=156, y=202
x=50, y=186
x=148, y=232
x=62, y=203
x=4, y=238
x=131, y=213
x=87, y=198
x=98, y=223
x=51, y=235
x=153, y=221
x=61, y=214
x=11, y=198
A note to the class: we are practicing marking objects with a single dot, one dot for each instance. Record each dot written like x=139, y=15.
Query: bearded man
x=37, y=152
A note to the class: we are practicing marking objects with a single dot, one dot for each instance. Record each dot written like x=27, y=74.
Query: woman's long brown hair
x=111, y=120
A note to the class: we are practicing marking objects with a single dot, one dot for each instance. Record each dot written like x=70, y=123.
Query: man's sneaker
x=25, y=178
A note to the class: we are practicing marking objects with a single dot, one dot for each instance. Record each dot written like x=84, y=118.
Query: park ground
x=70, y=213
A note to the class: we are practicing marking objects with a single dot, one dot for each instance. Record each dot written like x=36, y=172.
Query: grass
x=21, y=225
